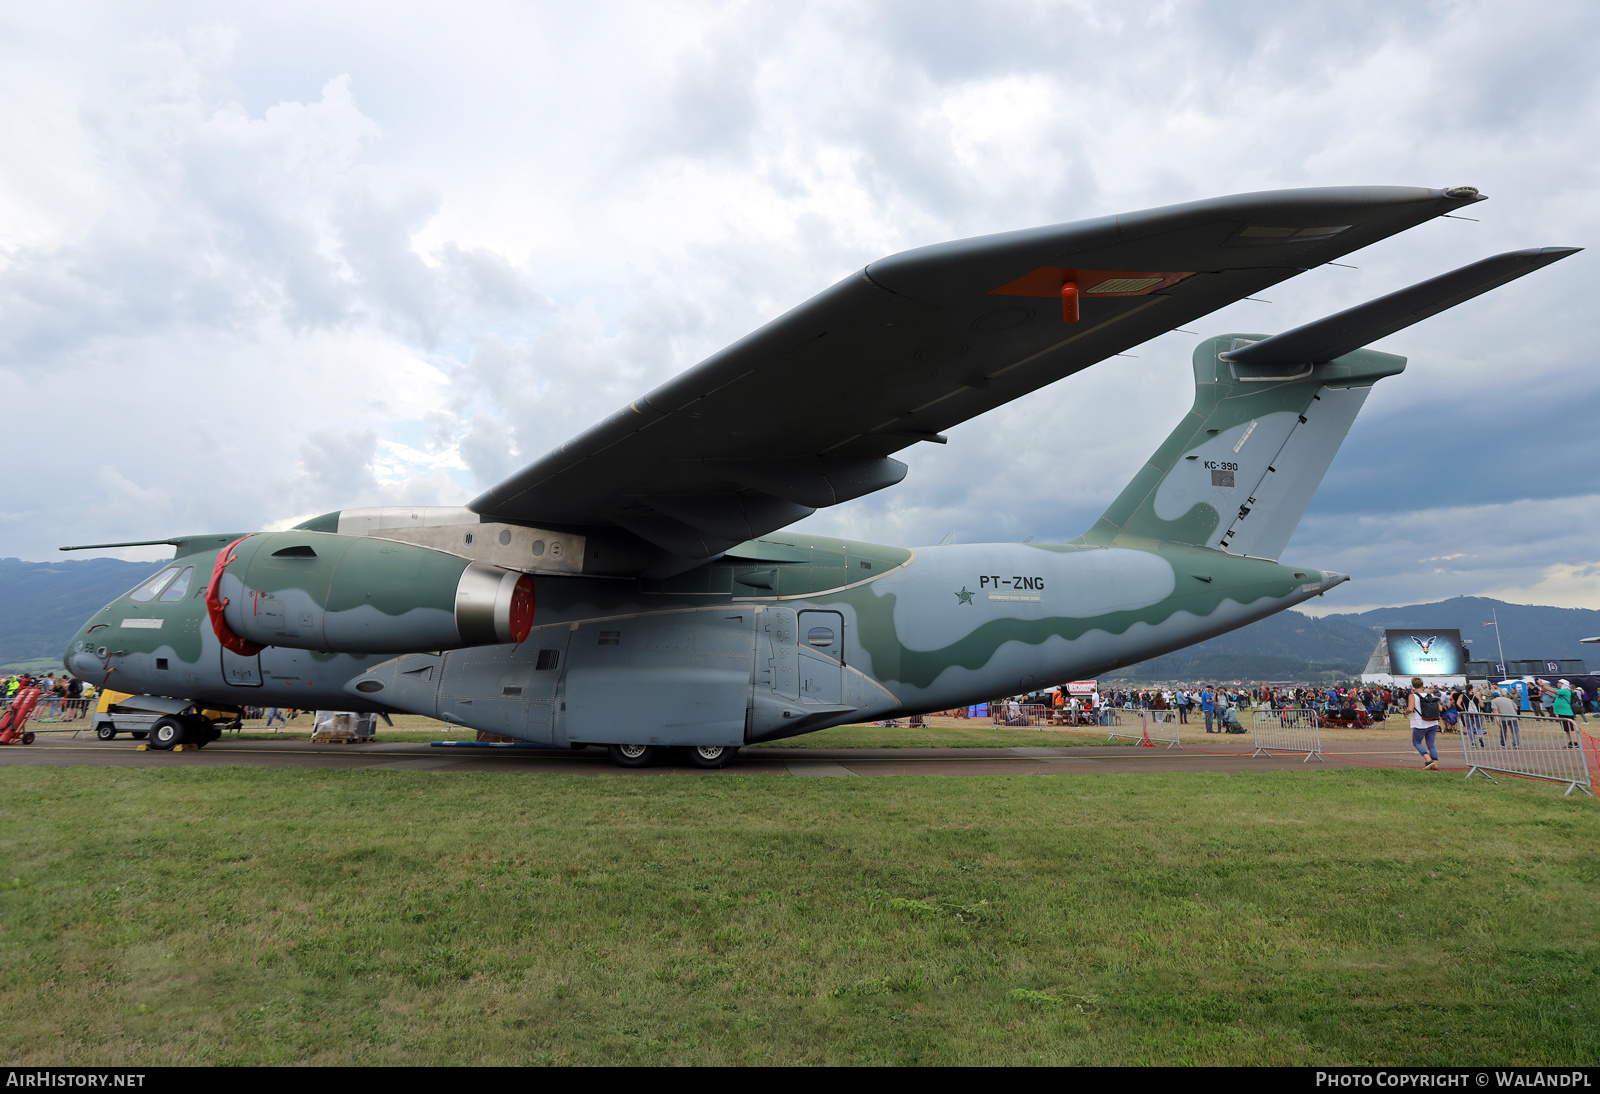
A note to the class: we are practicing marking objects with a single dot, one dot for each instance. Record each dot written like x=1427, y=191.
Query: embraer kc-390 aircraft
x=634, y=587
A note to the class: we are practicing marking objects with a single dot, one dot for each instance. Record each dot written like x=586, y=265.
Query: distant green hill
x=42, y=604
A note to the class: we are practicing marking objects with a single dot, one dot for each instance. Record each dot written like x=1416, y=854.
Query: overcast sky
x=260, y=264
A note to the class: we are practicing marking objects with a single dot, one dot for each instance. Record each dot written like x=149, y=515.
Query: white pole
x=1499, y=643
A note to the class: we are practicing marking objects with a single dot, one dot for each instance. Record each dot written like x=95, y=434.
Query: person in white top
x=1423, y=709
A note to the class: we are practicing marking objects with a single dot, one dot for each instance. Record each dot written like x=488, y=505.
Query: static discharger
x=1069, y=301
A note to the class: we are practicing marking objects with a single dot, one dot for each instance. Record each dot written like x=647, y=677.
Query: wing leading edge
x=808, y=410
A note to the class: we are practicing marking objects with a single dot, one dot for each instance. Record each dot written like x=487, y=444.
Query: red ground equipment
x=13, y=723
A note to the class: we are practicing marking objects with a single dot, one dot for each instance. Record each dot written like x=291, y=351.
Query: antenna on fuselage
x=948, y=536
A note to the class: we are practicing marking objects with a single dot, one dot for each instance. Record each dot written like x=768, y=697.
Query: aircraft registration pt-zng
x=634, y=588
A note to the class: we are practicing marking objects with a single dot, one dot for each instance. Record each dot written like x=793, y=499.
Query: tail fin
x=1270, y=414
x=1240, y=469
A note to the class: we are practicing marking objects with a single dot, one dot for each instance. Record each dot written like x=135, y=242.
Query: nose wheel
x=168, y=733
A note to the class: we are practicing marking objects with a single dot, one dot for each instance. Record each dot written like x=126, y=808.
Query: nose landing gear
x=174, y=730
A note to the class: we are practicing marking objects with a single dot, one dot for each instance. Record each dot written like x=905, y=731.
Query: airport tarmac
x=1215, y=754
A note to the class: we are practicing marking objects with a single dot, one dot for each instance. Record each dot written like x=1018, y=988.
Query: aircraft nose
x=82, y=660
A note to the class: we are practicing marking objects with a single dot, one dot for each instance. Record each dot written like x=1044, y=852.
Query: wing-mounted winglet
x=1355, y=327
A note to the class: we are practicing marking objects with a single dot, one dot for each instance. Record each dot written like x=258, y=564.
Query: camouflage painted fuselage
x=841, y=631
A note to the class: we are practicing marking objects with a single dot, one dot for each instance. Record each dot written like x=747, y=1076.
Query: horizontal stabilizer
x=1349, y=330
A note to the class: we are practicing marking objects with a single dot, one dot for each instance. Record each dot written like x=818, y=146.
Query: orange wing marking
x=1046, y=281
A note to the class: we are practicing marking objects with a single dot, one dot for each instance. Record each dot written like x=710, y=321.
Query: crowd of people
x=60, y=697
x=1472, y=709
x=1218, y=707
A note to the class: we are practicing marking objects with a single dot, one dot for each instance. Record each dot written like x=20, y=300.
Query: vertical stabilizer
x=1270, y=413
x=1239, y=470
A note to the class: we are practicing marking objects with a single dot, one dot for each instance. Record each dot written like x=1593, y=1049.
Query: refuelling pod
x=356, y=594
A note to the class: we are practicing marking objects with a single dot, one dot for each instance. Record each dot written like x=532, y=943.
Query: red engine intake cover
x=522, y=603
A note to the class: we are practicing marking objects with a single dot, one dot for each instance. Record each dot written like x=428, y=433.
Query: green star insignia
x=964, y=596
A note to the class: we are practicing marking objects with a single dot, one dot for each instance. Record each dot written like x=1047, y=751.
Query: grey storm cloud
x=258, y=264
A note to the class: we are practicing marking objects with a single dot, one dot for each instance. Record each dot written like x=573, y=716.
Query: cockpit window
x=179, y=588
x=150, y=588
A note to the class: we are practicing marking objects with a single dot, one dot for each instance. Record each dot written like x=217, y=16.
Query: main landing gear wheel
x=106, y=732
x=712, y=756
x=634, y=755
x=167, y=733
x=202, y=732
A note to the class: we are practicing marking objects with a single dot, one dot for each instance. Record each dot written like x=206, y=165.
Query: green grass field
x=270, y=916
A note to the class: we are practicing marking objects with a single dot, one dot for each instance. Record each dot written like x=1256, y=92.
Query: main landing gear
x=711, y=756
x=705, y=756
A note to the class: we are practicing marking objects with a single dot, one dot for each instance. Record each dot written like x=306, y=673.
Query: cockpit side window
x=179, y=588
x=150, y=588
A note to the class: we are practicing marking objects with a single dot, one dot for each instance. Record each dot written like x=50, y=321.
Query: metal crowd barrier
x=1029, y=714
x=1155, y=726
x=1291, y=729
x=1525, y=744
x=1104, y=716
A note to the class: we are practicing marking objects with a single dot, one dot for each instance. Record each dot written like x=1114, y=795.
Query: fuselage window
x=150, y=588
x=179, y=588
x=821, y=637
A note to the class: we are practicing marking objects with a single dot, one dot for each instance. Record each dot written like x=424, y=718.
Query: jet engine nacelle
x=359, y=594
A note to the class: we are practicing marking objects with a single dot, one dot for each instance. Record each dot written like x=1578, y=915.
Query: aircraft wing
x=806, y=411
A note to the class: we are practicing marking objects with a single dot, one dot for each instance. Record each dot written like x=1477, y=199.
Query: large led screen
x=1426, y=653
